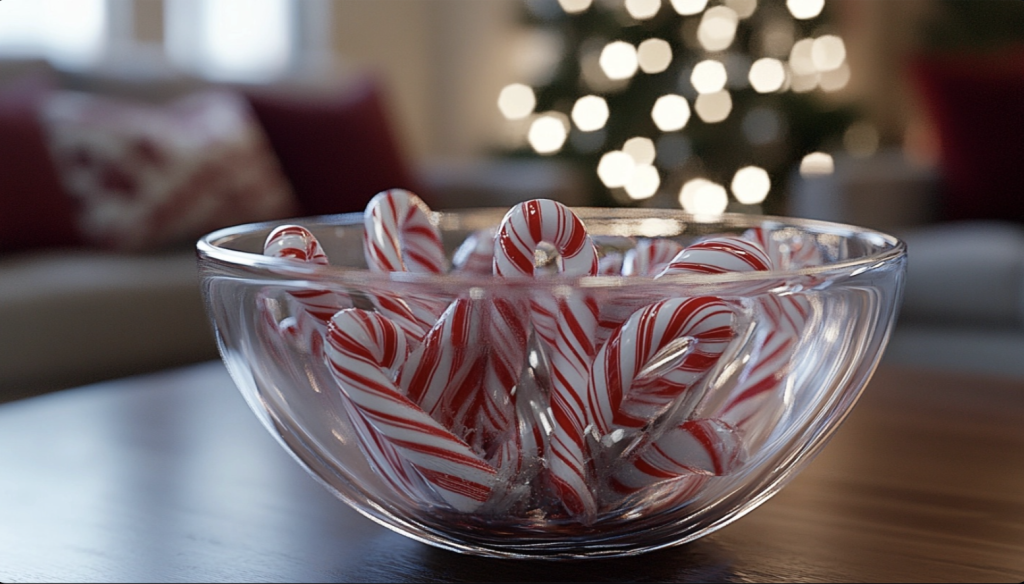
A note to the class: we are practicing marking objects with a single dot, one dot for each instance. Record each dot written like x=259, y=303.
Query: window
x=237, y=40
x=67, y=32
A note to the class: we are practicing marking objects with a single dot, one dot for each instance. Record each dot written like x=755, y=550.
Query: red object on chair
x=34, y=211
x=336, y=148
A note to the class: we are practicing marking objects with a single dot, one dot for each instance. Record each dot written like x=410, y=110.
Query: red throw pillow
x=148, y=177
x=337, y=149
x=974, y=101
x=34, y=210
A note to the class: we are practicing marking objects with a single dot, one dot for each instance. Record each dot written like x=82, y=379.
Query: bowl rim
x=212, y=247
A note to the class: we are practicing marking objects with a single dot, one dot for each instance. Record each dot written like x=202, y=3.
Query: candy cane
x=398, y=236
x=567, y=325
x=476, y=254
x=705, y=446
x=658, y=354
x=787, y=251
x=650, y=256
x=361, y=347
x=296, y=243
x=719, y=255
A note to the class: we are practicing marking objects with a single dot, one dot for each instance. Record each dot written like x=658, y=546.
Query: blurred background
x=130, y=127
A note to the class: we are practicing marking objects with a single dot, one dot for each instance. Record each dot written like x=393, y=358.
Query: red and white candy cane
x=650, y=256
x=567, y=325
x=757, y=399
x=719, y=255
x=705, y=446
x=476, y=254
x=787, y=251
x=361, y=347
x=398, y=236
x=295, y=242
x=659, y=353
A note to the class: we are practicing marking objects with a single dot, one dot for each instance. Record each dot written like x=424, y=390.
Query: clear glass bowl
x=849, y=303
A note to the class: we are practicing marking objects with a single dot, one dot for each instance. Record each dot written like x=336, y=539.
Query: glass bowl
x=723, y=424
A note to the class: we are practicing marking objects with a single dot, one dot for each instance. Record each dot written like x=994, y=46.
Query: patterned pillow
x=146, y=177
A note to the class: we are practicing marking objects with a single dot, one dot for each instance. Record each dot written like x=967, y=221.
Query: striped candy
x=658, y=354
x=297, y=243
x=476, y=254
x=398, y=236
x=705, y=446
x=567, y=325
x=719, y=255
x=361, y=348
x=650, y=256
x=788, y=249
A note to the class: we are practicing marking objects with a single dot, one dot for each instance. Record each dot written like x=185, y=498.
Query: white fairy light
x=548, y=133
x=713, y=107
x=767, y=75
x=750, y=185
x=644, y=182
x=516, y=101
x=590, y=113
x=643, y=9
x=709, y=76
x=805, y=9
x=671, y=112
x=828, y=53
x=641, y=149
x=619, y=60
x=703, y=197
x=575, y=6
x=717, y=28
x=689, y=7
x=654, y=55
x=817, y=163
x=615, y=168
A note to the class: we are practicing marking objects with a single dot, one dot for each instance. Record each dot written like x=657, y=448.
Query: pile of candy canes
x=448, y=402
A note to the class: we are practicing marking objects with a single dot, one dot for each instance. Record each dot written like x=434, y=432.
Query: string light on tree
x=548, y=133
x=619, y=60
x=590, y=113
x=689, y=7
x=805, y=9
x=643, y=9
x=516, y=101
x=671, y=113
x=750, y=185
x=654, y=55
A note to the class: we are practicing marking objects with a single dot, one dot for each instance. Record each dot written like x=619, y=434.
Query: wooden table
x=169, y=477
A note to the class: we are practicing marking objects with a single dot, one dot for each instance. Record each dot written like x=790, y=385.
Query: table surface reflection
x=169, y=477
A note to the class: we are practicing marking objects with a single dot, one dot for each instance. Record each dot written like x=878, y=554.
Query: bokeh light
x=750, y=185
x=767, y=75
x=713, y=107
x=575, y=6
x=643, y=9
x=709, y=76
x=742, y=8
x=688, y=7
x=861, y=139
x=670, y=112
x=800, y=60
x=717, y=28
x=654, y=55
x=641, y=149
x=619, y=60
x=703, y=197
x=590, y=113
x=817, y=163
x=516, y=101
x=805, y=9
x=828, y=52
x=548, y=133
x=615, y=169
x=643, y=183
x=836, y=79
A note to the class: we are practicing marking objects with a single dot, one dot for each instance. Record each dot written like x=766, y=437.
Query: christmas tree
x=686, y=102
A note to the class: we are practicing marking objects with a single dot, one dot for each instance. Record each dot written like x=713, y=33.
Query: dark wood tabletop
x=169, y=477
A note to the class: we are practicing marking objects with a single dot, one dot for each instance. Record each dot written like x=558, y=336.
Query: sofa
x=95, y=284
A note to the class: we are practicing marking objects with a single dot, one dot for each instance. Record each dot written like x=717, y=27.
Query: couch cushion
x=967, y=273
x=147, y=176
x=34, y=210
x=336, y=145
